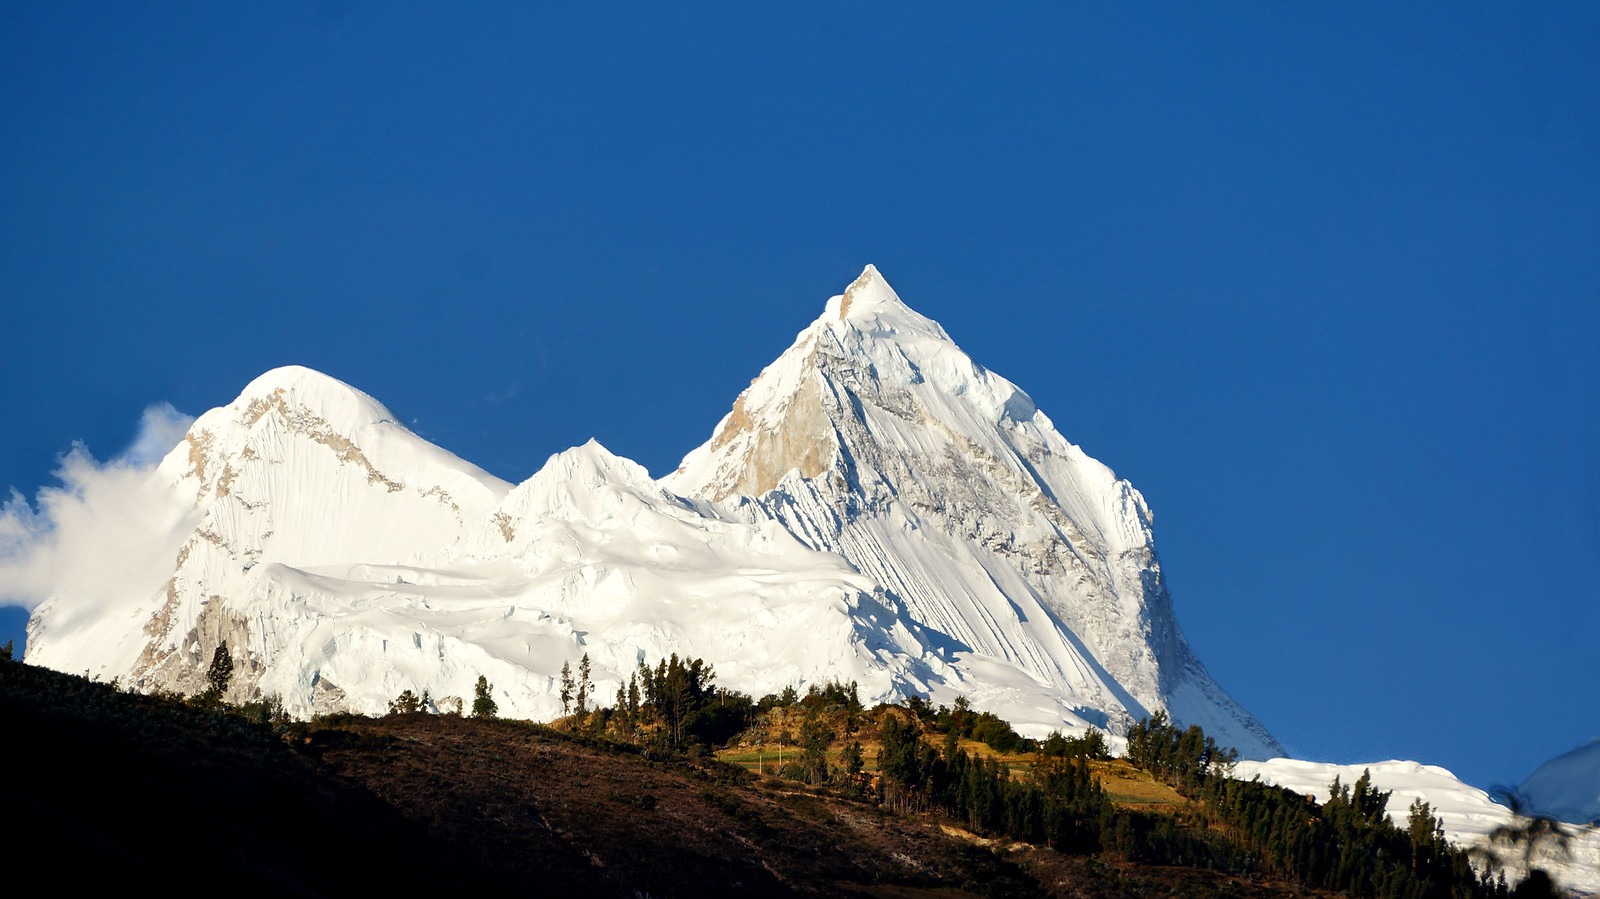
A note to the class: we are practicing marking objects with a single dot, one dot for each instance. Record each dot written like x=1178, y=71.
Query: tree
x=6, y=651
x=676, y=691
x=815, y=737
x=852, y=760
x=995, y=732
x=483, y=706
x=584, y=685
x=1092, y=745
x=404, y=704
x=566, y=688
x=959, y=715
x=220, y=673
x=1426, y=833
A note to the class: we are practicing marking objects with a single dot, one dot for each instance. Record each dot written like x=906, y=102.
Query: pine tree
x=404, y=704
x=1427, y=837
x=676, y=691
x=483, y=705
x=815, y=737
x=624, y=720
x=220, y=673
x=566, y=688
x=852, y=760
x=584, y=684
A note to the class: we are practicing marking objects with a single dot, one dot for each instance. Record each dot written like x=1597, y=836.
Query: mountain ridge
x=876, y=506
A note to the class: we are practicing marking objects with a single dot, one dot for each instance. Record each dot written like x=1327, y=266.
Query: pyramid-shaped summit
x=875, y=437
x=875, y=507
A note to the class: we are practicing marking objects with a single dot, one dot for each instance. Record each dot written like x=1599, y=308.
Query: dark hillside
x=145, y=790
x=109, y=789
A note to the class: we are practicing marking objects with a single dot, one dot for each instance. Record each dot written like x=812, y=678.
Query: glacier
x=876, y=507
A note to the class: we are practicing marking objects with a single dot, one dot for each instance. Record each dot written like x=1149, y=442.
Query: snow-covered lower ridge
x=1467, y=813
x=877, y=507
x=877, y=438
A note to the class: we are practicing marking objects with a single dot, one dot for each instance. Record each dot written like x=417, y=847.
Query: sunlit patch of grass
x=1127, y=785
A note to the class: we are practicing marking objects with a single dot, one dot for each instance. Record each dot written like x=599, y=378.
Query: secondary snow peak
x=570, y=480
x=594, y=464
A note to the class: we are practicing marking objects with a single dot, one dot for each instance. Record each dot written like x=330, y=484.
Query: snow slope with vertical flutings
x=875, y=437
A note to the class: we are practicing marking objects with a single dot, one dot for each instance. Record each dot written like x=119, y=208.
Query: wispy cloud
x=504, y=394
x=108, y=527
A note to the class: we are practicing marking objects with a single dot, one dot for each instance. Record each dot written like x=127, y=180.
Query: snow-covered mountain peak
x=789, y=417
x=871, y=306
x=298, y=416
x=876, y=506
x=868, y=293
x=307, y=403
x=881, y=380
x=876, y=437
x=301, y=471
x=305, y=388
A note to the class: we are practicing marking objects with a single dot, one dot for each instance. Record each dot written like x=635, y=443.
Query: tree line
x=1348, y=844
x=1248, y=828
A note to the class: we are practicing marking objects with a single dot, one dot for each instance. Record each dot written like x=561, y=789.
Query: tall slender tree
x=584, y=685
x=220, y=674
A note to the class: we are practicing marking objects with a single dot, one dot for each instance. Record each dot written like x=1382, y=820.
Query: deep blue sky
x=1322, y=281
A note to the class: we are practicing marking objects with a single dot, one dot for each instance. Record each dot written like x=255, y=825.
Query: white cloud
x=108, y=528
x=160, y=429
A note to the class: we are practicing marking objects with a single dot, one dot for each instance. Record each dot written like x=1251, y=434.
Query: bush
x=1092, y=745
